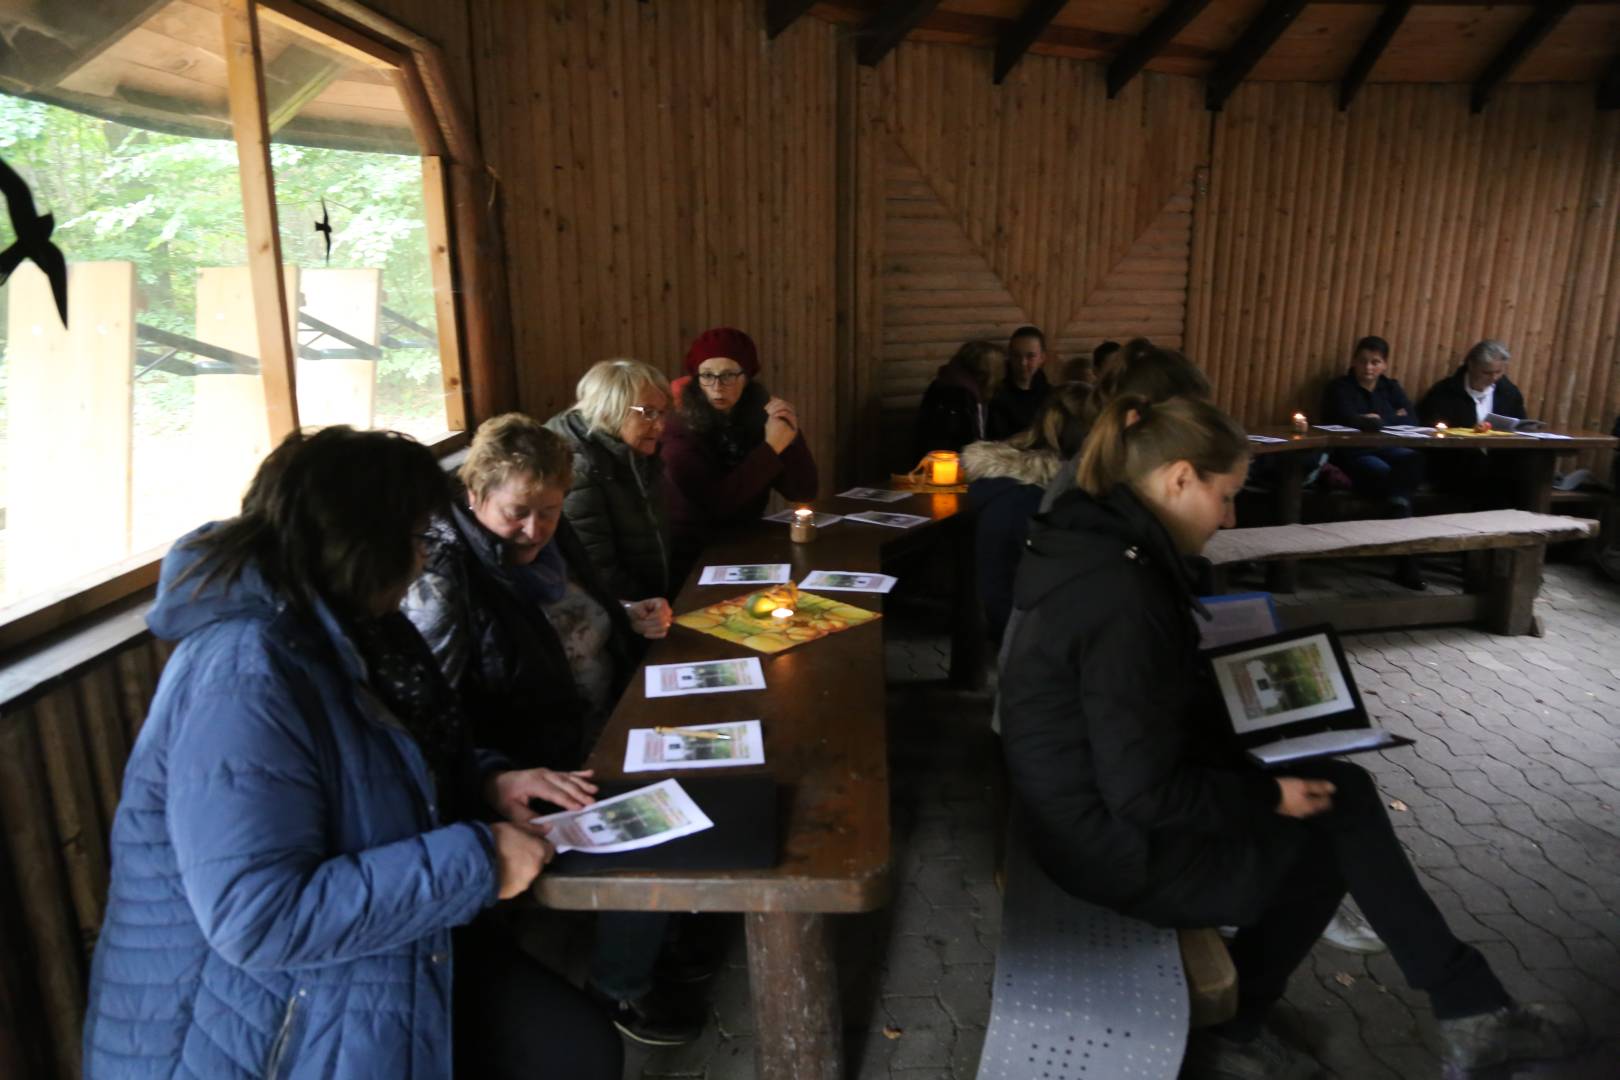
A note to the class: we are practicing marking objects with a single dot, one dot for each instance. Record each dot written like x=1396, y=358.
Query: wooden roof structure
x=160, y=65
x=1230, y=41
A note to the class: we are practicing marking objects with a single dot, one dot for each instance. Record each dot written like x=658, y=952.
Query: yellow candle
x=942, y=468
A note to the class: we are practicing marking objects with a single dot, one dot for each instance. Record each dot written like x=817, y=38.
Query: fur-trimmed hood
x=992, y=460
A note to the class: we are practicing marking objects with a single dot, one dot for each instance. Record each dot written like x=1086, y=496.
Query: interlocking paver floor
x=1509, y=803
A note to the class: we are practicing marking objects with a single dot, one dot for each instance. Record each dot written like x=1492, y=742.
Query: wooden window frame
x=453, y=189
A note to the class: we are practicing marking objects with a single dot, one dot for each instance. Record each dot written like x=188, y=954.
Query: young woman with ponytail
x=1136, y=796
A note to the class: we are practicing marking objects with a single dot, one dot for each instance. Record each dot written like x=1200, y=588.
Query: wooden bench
x=1082, y=992
x=1503, y=548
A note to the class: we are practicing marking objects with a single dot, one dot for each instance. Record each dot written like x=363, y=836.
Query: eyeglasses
x=648, y=413
x=723, y=378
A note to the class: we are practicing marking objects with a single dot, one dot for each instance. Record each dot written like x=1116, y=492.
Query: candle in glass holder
x=782, y=613
x=1300, y=423
x=1441, y=427
x=802, y=529
x=942, y=468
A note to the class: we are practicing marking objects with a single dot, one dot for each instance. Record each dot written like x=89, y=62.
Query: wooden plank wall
x=1408, y=218
x=665, y=168
x=62, y=760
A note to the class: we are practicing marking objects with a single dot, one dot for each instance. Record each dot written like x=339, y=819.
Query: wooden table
x=826, y=746
x=1532, y=483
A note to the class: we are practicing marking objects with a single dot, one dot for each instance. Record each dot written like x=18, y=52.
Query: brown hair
x=515, y=444
x=329, y=515
x=1120, y=451
x=1143, y=369
x=984, y=361
x=1058, y=424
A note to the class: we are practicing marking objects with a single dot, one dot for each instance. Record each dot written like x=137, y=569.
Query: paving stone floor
x=1509, y=804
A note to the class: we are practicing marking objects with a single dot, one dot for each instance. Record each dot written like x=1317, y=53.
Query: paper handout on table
x=704, y=677
x=695, y=746
x=1511, y=423
x=893, y=521
x=1265, y=439
x=847, y=581
x=641, y=818
x=1334, y=427
x=747, y=574
x=821, y=520
x=882, y=495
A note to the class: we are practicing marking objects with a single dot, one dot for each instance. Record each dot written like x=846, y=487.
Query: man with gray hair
x=1476, y=390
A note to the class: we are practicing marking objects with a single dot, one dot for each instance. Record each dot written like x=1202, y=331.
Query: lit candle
x=782, y=613
x=1441, y=427
x=802, y=529
x=1300, y=423
x=942, y=465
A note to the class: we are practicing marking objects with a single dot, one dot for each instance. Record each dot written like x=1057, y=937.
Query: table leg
x=795, y=995
x=969, y=658
x=1535, y=477
x=1287, y=501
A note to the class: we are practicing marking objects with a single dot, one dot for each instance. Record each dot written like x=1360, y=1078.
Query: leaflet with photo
x=1236, y=617
x=820, y=520
x=642, y=818
x=704, y=677
x=695, y=746
x=848, y=581
x=888, y=518
x=747, y=574
x=882, y=495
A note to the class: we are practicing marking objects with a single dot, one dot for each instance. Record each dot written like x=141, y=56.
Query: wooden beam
x=293, y=80
x=1256, y=41
x=1608, y=91
x=73, y=34
x=1529, y=35
x=781, y=14
x=1015, y=41
x=1148, y=44
x=889, y=27
x=1371, y=49
x=243, y=58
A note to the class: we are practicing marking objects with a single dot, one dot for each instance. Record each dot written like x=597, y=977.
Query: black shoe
x=1409, y=573
x=695, y=949
x=1513, y=1033
x=652, y=1019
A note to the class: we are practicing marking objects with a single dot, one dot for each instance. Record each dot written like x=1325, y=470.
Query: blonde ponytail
x=1124, y=448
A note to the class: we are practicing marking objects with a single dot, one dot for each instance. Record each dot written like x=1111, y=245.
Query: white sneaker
x=1349, y=931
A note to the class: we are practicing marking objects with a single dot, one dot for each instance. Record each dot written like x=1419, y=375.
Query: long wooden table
x=1532, y=484
x=823, y=712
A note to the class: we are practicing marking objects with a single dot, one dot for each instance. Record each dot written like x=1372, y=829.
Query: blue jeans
x=1391, y=473
x=626, y=950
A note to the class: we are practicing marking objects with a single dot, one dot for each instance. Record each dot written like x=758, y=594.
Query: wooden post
x=1515, y=581
x=70, y=401
x=1533, y=479
x=1287, y=501
x=794, y=987
x=340, y=391
x=435, y=203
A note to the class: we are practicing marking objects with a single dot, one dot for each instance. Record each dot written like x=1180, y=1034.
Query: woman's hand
x=650, y=617
x=520, y=855
x=509, y=793
x=1303, y=798
x=781, y=424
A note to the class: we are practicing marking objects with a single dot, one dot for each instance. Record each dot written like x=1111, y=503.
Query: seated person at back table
x=1023, y=388
x=953, y=409
x=1139, y=799
x=1365, y=398
x=538, y=651
x=1463, y=399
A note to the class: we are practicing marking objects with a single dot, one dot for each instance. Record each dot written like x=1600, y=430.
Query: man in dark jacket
x=1018, y=399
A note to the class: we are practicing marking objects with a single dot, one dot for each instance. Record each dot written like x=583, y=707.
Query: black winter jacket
x=951, y=414
x=617, y=508
x=500, y=651
x=1115, y=745
x=1448, y=400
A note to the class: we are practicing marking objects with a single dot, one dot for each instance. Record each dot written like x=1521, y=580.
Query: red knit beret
x=725, y=341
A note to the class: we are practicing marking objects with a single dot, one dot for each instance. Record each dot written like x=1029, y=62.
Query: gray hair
x=606, y=392
x=1487, y=352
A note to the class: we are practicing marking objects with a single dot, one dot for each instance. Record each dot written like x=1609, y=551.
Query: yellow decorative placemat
x=814, y=617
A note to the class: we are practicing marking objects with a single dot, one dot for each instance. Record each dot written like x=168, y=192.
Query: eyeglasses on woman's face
x=648, y=413
x=719, y=378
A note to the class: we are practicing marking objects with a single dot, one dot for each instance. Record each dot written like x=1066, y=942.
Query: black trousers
x=1282, y=892
x=517, y=1020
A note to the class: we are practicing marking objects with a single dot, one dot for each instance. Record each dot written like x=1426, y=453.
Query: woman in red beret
x=728, y=443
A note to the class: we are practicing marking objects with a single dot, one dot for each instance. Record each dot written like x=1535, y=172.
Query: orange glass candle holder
x=942, y=468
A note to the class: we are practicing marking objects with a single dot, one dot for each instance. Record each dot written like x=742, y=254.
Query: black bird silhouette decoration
x=33, y=238
x=324, y=227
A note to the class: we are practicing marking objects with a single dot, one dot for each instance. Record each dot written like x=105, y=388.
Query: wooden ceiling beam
x=1256, y=41
x=70, y=36
x=781, y=14
x=1146, y=45
x=888, y=28
x=1371, y=49
x=1530, y=34
x=294, y=79
x=1015, y=41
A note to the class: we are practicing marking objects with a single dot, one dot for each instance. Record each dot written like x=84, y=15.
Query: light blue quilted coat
x=282, y=893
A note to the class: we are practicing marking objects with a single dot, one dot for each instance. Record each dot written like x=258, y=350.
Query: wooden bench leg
x=1211, y=977
x=794, y=987
x=1515, y=581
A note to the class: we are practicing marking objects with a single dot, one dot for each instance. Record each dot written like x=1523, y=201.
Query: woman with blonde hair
x=1138, y=797
x=617, y=504
x=955, y=407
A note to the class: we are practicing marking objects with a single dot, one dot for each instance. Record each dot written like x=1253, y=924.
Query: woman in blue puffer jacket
x=284, y=879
